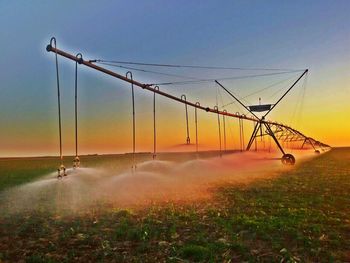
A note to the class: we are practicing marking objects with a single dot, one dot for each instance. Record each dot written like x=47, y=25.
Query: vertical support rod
x=53, y=41
x=76, y=107
x=133, y=119
x=80, y=57
x=154, y=124
x=188, y=140
x=256, y=143
x=76, y=161
x=253, y=136
x=224, y=123
x=263, y=138
x=196, y=122
x=240, y=132
x=216, y=108
x=243, y=132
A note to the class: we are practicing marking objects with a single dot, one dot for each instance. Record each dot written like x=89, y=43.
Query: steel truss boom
x=155, y=90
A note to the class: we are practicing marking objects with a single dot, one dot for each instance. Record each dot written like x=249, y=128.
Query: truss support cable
x=154, y=124
x=149, y=71
x=188, y=140
x=291, y=87
x=260, y=90
x=189, y=66
x=230, y=93
x=187, y=82
x=129, y=73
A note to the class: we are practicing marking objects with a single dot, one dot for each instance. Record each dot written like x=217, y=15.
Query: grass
x=301, y=216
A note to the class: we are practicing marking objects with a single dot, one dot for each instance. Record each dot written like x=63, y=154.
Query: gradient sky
x=272, y=34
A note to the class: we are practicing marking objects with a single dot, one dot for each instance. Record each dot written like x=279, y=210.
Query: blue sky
x=276, y=34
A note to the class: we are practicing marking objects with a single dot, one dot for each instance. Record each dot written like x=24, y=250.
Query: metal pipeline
x=54, y=49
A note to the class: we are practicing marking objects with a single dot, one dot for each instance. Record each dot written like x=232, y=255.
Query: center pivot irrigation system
x=276, y=131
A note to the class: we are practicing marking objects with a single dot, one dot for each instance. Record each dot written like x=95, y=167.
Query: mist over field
x=153, y=181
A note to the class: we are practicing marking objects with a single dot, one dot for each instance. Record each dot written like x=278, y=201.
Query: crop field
x=268, y=214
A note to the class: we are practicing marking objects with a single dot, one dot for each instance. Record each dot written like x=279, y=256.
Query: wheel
x=288, y=159
x=317, y=151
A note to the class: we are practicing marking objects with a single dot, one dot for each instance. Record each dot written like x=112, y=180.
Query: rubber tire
x=288, y=159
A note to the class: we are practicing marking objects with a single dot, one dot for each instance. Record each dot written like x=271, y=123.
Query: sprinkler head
x=59, y=176
x=61, y=171
x=76, y=162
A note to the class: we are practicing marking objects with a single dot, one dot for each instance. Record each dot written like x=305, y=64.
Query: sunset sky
x=249, y=34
